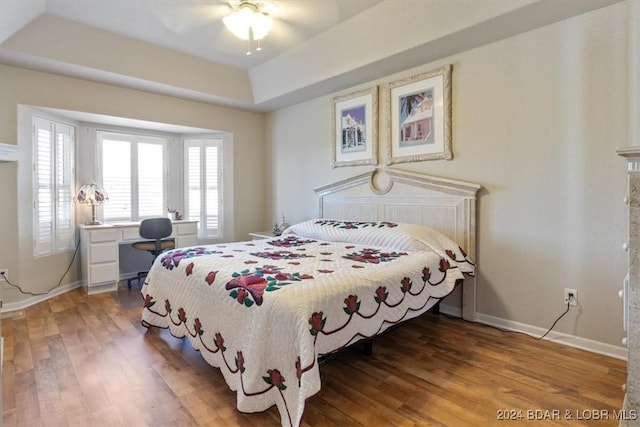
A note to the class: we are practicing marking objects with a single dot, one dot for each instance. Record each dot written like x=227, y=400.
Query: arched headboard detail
x=446, y=205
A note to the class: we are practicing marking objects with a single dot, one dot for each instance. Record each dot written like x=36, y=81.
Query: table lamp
x=94, y=195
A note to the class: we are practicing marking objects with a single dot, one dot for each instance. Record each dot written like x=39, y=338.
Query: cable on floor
x=22, y=291
x=518, y=332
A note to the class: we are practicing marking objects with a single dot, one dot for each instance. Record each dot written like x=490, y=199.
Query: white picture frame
x=355, y=128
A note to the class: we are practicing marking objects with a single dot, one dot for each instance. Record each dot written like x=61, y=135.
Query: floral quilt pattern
x=249, y=286
x=373, y=256
x=290, y=241
x=263, y=313
x=354, y=224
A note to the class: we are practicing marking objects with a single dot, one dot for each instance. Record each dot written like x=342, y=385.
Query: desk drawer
x=103, y=273
x=131, y=233
x=96, y=236
x=183, y=229
x=103, y=252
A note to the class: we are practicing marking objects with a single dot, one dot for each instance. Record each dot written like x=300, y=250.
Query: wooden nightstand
x=259, y=235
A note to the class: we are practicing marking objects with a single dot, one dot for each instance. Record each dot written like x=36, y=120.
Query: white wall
x=536, y=121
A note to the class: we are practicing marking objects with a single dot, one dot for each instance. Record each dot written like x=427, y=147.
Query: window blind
x=53, y=179
x=211, y=178
x=133, y=175
x=64, y=187
x=203, y=178
x=116, y=178
x=150, y=181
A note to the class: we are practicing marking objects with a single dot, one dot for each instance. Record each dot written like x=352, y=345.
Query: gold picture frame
x=418, y=114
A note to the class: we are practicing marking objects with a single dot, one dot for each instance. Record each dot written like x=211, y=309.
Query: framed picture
x=419, y=117
x=355, y=128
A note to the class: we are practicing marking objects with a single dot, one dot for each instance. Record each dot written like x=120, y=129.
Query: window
x=53, y=180
x=133, y=175
x=203, y=185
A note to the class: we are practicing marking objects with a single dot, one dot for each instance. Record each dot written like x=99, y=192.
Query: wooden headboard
x=392, y=195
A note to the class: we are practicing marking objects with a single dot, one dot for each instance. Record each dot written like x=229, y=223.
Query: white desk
x=100, y=255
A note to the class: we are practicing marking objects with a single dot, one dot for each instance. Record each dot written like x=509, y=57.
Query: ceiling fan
x=249, y=20
x=201, y=21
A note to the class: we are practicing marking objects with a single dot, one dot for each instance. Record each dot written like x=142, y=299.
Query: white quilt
x=263, y=311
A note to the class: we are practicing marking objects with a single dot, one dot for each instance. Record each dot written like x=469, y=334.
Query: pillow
x=397, y=236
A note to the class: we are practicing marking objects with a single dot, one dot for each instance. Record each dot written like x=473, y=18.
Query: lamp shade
x=248, y=21
x=261, y=25
x=239, y=23
x=94, y=195
x=91, y=194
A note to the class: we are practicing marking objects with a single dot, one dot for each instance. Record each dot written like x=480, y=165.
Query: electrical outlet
x=571, y=297
x=4, y=272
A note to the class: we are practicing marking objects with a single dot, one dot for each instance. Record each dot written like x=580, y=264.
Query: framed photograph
x=418, y=112
x=355, y=129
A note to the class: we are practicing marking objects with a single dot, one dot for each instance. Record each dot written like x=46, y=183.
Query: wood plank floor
x=79, y=360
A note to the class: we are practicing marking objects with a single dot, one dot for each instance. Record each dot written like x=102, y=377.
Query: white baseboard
x=25, y=303
x=617, y=352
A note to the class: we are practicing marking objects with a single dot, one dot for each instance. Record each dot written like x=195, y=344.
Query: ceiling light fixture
x=249, y=22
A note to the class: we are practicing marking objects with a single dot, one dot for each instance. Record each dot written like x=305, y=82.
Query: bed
x=265, y=311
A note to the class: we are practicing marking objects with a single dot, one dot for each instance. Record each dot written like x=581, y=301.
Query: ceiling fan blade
x=181, y=17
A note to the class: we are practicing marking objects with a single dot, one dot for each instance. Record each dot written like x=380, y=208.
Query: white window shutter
x=64, y=186
x=43, y=185
x=203, y=169
x=193, y=180
x=53, y=182
x=116, y=177
x=150, y=181
x=212, y=195
x=133, y=175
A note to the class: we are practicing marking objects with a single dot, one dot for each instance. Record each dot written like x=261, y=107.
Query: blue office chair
x=157, y=229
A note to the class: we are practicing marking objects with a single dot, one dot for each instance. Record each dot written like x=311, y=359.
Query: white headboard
x=446, y=205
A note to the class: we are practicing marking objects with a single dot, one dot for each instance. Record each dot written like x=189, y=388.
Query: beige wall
x=536, y=121
x=23, y=87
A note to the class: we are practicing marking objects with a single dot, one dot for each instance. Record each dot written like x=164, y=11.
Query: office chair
x=156, y=229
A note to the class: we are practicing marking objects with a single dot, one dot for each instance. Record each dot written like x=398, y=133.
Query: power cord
x=75, y=253
x=523, y=333
x=22, y=291
x=556, y=322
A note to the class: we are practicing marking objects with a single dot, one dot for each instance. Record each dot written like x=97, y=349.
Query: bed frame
x=398, y=196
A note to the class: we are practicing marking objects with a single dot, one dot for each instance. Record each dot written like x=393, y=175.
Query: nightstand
x=259, y=235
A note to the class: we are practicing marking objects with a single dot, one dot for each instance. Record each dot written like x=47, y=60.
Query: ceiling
x=196, y=27
x=181, y=48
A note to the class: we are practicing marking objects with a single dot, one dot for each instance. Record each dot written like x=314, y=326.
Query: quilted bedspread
x=263, y=311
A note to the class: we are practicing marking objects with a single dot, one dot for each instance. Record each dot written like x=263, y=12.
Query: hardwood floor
x=80, y=360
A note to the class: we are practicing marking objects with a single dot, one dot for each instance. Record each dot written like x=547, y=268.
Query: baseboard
x=617, y=352
x=509, y=325
x=25, y=303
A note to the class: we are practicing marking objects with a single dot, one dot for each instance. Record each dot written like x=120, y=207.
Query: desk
x=100, y=255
